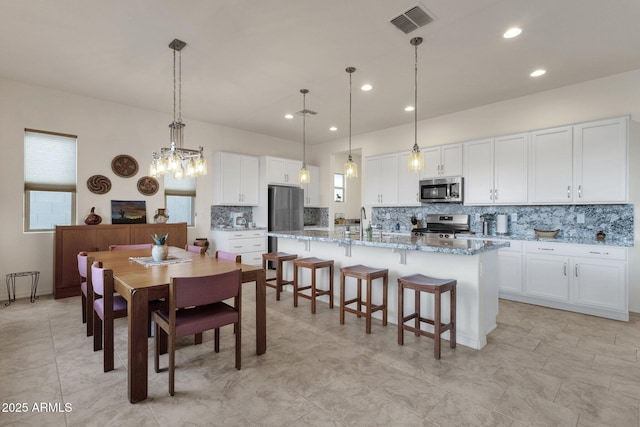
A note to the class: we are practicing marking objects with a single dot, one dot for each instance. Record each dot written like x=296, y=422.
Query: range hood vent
x=306, y=112
x=413, y=18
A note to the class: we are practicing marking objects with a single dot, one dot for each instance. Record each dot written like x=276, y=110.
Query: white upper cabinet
x=283, y=171
x=381, y=180
x=600, y=161
x=236, y=179
x=444, y=160
x=496, y=170
x=584, y=163
x=408, y=182
x=550, y=165
x=312, y=189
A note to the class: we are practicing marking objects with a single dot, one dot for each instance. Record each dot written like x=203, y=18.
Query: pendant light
x=350, y=168
x=171, y=159
x=303, y=174
x=416, y=160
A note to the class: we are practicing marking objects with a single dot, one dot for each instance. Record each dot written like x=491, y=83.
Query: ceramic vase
x=159, y=252
x=161, y=216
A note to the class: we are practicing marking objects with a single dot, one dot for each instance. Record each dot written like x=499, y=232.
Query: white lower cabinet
x=582, y=278
x=510, y=269
x=547, y=277
x=250, y=244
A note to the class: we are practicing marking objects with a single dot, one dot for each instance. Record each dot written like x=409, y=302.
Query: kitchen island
x=473, y=263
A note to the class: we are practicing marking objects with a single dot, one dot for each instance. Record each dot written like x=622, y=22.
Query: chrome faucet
x=363, y=216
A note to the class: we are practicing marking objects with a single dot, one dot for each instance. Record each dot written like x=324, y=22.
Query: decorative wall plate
x=99, y=184
x=148, y=185
x=124, y=166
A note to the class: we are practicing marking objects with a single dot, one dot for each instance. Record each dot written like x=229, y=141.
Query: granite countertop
x=238, y=228
x=400, y=242
x=609, y=241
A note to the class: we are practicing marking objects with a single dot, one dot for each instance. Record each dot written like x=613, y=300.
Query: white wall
x=606, y=97
x=104, y=130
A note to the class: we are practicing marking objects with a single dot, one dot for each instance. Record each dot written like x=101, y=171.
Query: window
x=338, y=187
x=49, y=180
x=179, y=197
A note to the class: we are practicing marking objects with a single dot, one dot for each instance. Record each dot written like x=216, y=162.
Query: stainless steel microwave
x=441, y=190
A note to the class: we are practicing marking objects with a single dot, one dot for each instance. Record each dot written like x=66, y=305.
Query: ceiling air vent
x=412, y=19
x=306, y=112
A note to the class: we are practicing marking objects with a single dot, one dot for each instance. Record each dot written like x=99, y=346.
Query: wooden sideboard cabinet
x=71, y=239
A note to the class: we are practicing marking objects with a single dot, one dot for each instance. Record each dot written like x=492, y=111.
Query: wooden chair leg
x=198, y=338
x=331, y=286
x=295, y=285
x=217, y=339
x=172, y=364
x=313, y=291
x=84, y=308
x=342, y=297
x=417, y=311
x=108, y=345
x=156, y=340
x=238, y=345
x=436, y=325
x=400, y=314
x=97, y=332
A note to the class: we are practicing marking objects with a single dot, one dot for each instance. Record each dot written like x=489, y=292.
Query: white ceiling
x=246, y=60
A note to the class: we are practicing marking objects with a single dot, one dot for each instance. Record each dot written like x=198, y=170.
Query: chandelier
x=303, y=175
x=350, y=168
x=176, y=159
x=416, y=160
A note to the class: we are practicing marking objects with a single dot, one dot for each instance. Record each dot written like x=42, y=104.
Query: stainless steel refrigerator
x=286, y=211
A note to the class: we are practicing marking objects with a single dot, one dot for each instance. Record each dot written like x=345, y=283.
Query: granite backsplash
x=615, y=220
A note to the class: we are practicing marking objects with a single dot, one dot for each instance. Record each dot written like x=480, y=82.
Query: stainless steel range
x=444, y=226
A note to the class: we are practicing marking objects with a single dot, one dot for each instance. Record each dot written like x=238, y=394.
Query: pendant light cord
x=350, y=75
x=415, y=98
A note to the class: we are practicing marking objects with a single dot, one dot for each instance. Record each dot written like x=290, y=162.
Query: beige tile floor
x=541, y=367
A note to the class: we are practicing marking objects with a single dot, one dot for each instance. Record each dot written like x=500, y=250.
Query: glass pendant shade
x=350, y=168
x=303, y=175
x=416, y=160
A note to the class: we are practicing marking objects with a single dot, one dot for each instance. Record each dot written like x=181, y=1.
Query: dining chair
x=196, y=249
x=196, y=304
x=130, y=247
x=107, y=306
x=84, y=268
x=228, y=256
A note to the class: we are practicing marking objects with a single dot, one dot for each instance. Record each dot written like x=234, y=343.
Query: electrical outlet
x=514, y=217
x=580, y=218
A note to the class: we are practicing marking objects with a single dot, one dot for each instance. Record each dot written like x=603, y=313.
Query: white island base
x=477, y=289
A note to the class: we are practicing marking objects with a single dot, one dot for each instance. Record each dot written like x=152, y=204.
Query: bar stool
x=278, y=258
x=361, y=272
x=313, y=264
x=420, y=283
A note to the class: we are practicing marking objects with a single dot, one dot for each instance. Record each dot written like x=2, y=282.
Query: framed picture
x=128, y=212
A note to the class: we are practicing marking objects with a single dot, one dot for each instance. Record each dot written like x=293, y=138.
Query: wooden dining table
x=140, y=284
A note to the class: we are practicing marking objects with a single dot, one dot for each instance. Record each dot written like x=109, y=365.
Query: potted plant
x=160, y=250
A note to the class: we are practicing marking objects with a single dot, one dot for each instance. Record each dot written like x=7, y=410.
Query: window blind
x=179, y=187
x=49, y=161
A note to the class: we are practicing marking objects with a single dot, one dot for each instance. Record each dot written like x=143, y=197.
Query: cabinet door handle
x=565, y=268
x=580, y=191
x=576, y=268
x=568, y=191
x=495, y=194
x=490, y=194
x=545, y=249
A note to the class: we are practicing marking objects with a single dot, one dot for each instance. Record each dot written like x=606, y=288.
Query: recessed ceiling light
x=409, y=108
x=288, y=116
x=512, y=32
x=333, y=128
x=366, y=87
x=538, y=73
